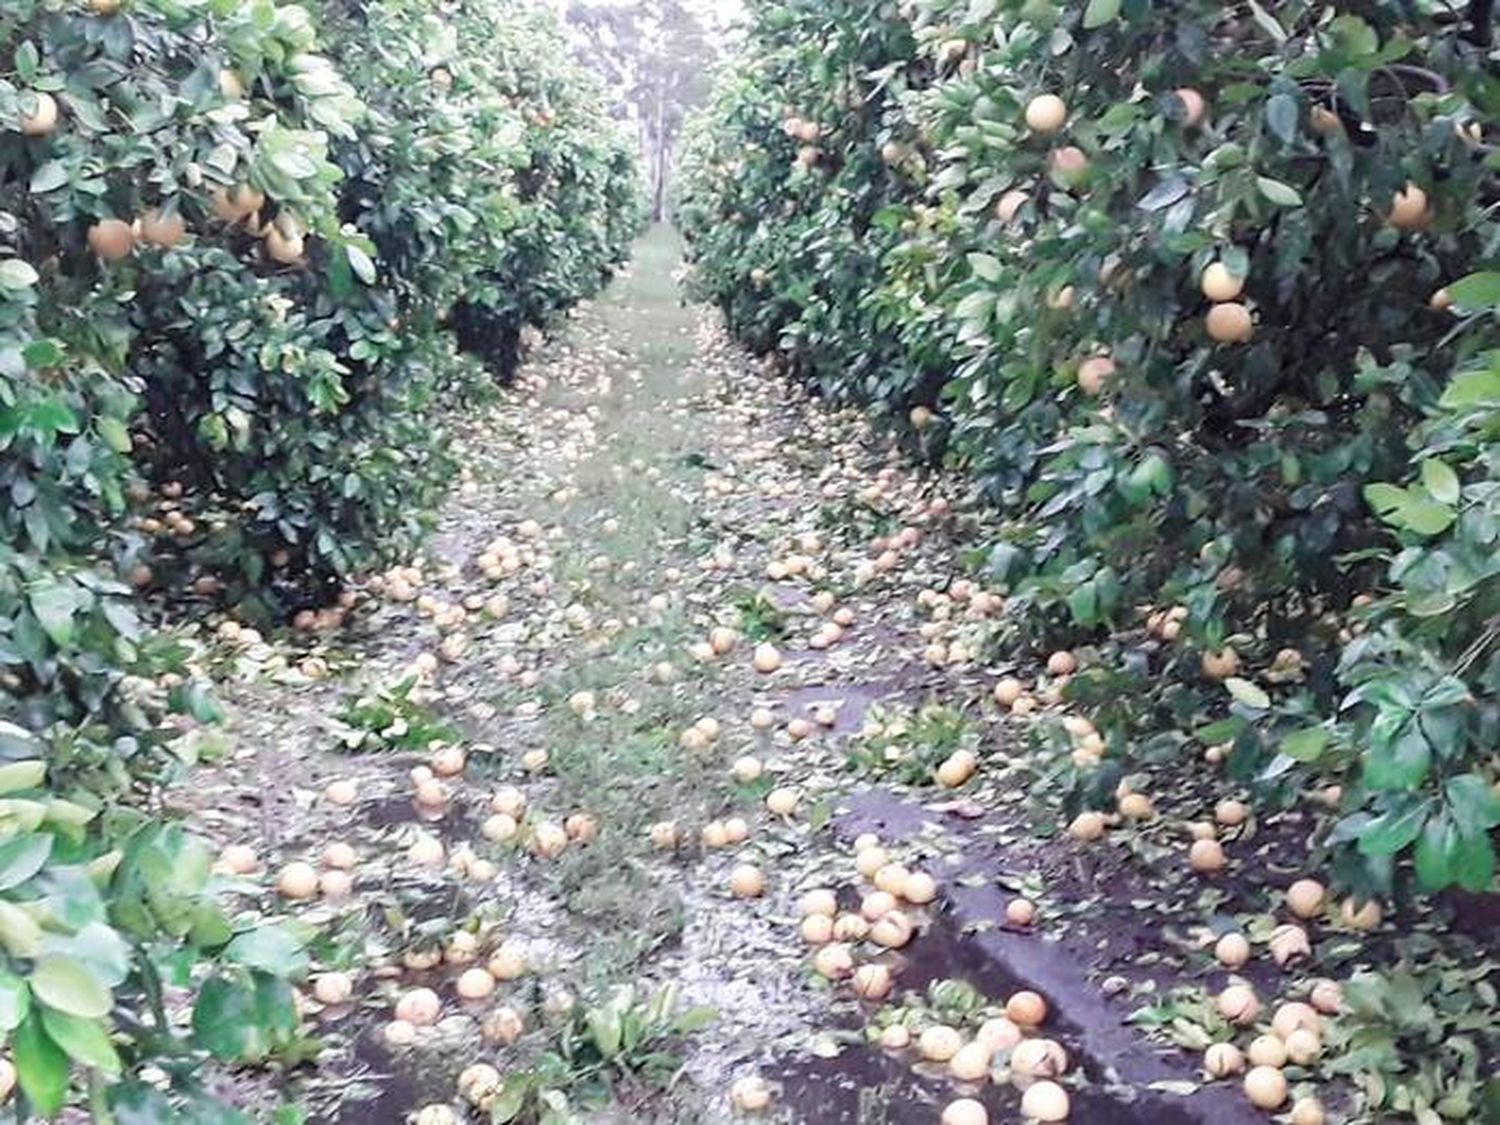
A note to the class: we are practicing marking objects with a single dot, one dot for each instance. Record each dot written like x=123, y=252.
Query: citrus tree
x=1202, y=304
x=496, y=188
x=220, y=372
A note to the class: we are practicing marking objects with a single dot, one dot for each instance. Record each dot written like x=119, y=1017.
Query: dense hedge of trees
x=237, y=279
x=1206, y=304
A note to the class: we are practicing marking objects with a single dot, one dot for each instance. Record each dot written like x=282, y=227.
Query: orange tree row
x=237, y=279
x=1207, y=306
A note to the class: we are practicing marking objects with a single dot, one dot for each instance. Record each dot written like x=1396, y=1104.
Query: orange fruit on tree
x=111, y=239
x=1193, y=104
x=163, y=230
x=1219, y=284
x=1046, y=113
x=1010, y=205
x=42, y=120
x=1094, y=373
x=1408, y=209
x=1229, y=323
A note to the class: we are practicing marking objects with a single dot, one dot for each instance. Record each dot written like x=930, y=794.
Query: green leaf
x=1164, y=194
x=1391, y=832
x=976, y=306
x=695, y=1019
x=1474, y=806
x=271, y=948
x=1281, y=194
x=16, y=275
x=135, y=1103
x=1400, y=761
x=15, y=1001
x=361, y=263
x=1472, y=388
x=48, y=177
x=1268, y=22
x=1434, y=852
x=509, y=1101
x=16, y=776
x=70, y=986
x=42, y=354
x=1441, y=481
x=1083, y=603
x=1385, y=499
x=114, y=433
x=41, y=1067
x=53, y=416
x=84, y=1041
x=1355, y=36
x=1100, y=12
x=1472, y=862
x=1409, y=510
x=1220, y=731
x=54, y=605
x=605, y=1029
x=18, y=742
x=224, y=1020
x=23, y=856
x=1427, y=517
x=1281, y=117
x=1477, y=291
x=96, y=944
x=240, y=1021
x=985, y=266
x=1247, y=693
x=19, y=932
x=1305, y=745
x=28, y=59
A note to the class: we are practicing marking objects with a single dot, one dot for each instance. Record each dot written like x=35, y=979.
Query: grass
x=627, y=768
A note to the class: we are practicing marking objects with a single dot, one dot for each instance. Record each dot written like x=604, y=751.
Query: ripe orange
x=1218, y=284
x=284, y=247
x=1222, y=664
x=1010, y=205
x=236, y=204
x=163, y=230
x=1408, y=209
x=111, y=239
x=1229, y=323
x=1194, y=106
x=1093, y=375
x=1069, y=166
x=1045, y=114
x=43, y=119
x=1325, y=122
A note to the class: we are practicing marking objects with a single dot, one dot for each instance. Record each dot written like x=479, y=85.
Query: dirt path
x=645, y=486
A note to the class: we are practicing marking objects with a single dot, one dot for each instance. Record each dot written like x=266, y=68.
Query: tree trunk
x=659, y=164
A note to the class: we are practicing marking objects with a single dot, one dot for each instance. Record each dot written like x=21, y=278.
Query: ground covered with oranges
x=680, y=779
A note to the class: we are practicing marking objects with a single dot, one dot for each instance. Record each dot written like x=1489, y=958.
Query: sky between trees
x=657, y=57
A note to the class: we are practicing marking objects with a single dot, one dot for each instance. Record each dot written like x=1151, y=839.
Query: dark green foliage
x=249, y=407
x=867, y=199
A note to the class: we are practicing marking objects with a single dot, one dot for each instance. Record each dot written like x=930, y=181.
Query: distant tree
x=656, y=57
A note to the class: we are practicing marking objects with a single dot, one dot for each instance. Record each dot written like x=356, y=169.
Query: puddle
x=1119, y=1063
x=853, y=700
x=393, y=1090
x=452, y=823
